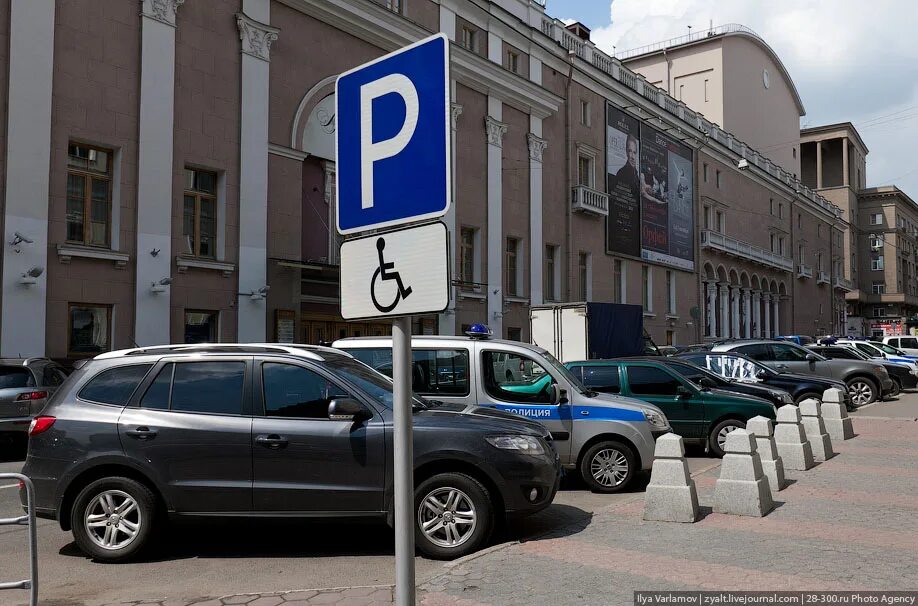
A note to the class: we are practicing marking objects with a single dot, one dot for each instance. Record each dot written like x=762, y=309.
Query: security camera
x=742, y=164
x=34, y=272
x=166, y=281
x=264, y=290
x=18, y=239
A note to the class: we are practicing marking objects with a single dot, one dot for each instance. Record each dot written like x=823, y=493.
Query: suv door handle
x=272, y=441
x=142, y=433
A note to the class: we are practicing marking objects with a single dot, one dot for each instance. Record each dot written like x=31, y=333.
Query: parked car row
x=302, y=431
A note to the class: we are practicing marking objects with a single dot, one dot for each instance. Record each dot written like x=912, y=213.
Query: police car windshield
x=371, y=382
x=564, y=372
x=890, y=349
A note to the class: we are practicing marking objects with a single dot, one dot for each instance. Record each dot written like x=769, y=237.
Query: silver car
x=25, y=386
x=606, y=438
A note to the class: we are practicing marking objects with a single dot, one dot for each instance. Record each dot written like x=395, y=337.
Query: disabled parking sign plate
x=393, y=138
x=395, y=273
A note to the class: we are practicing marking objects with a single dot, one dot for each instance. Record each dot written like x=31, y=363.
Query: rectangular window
x=799, y=220
x=89, y=195
x=467, y=257
x=396, y=6
x=876, y=264
x=469, y=39
x=879, y=288
x=436, y=371
x=771, y=206
x=90, y=329
x=876, y=219
x=199, y=225
x=294, y=392
x=583, y=267
x=512, y=272
x=618, y=281
x=681, y=91
x=646, y=289
x=549, y=280
x=772, y=240
x=208, y=387
x=876, y=243
x=513, y=61
x=819, y=230
x=717, y=179
x=879, y=312
x=721, y=223
x=514, y=334
x=781, y=246
x=704, y=170
x=201, y=326
x=670, y=293
x=646, y=380
x=705, y=90
x=584, y=112
x=780, y=210
x=585, y=171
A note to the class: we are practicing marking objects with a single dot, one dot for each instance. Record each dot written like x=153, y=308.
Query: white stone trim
x=66, y=252
x=295, y=141
x=184, y=262
x=537, y=146
x=256, y=37
x=163, y=11
x=287, y=152
x=155, y=159
x=496, y=131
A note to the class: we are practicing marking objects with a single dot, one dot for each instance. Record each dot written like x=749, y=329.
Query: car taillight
x=41, y=424
x=31, y=395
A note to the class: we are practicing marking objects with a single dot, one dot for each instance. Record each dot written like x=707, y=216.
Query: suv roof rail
x=310, y=351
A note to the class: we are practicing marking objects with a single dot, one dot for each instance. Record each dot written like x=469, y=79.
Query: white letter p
x=371, y=152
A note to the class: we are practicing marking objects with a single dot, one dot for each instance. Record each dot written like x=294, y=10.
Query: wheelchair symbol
x=383, y=272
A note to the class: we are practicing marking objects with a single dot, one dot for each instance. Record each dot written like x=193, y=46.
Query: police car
x=606, y=438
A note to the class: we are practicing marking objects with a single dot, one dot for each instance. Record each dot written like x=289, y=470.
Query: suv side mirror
x=811, y=358
x=683, y=392
x=558, y=395
x=346, y=409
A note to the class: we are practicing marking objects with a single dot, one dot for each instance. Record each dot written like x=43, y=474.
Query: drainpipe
x=568, y=214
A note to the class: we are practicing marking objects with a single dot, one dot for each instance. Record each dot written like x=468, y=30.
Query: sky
x=851, y=60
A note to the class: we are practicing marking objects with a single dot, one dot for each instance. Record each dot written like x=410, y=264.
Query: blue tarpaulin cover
x=615, y=330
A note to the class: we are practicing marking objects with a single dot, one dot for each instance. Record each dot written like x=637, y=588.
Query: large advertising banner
x=623, y=181
x=650, y=185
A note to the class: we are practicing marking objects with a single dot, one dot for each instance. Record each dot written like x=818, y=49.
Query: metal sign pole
x=403, y=462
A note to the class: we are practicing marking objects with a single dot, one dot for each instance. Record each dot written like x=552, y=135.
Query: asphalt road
x=214, y=559
x=219, y=558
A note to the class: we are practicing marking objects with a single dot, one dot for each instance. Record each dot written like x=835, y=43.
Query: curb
x=870, y=418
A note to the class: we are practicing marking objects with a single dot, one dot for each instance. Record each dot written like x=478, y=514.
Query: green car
x=699, y=414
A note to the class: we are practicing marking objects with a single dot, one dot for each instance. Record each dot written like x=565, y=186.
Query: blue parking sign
x=393, y=146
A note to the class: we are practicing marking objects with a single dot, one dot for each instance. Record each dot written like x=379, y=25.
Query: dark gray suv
x=269, y=431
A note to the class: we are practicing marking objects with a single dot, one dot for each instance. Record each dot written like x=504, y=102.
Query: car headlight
x=522, y=444
x=656, y=419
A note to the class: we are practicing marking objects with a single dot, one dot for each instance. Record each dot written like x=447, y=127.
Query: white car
x=907, y=344
x=882, y=351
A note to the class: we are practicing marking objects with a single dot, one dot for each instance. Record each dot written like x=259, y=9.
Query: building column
x=256, y=37
x=819, y=165
x=537, y=146
x=734, y=312
x=28, y=159
x=447, y=320
x=747, y=319
x=495, y=132
x=766, y=301
x=711, y=328
x=155, y=170
x=757, y=314
x=724, y=311
x=845, y=175
x=777, y=313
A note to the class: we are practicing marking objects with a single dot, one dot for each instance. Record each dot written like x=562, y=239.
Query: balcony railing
x=804, y=271
x=823, y=278
x=588, y=200
x=843, y=283
x=732, y=246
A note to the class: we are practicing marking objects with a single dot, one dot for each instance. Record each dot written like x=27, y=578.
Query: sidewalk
x=848, y=524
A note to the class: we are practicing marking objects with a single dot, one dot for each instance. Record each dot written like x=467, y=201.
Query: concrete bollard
x=742, y=488
x=772, y=464
x=790, y=440
x=835, y=415
x=671, y=495
x=820, y=442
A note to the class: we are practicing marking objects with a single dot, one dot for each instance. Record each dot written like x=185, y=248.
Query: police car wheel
x=608, y=466
x=454, y=516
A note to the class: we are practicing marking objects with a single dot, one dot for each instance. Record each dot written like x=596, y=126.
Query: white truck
x=585, y=331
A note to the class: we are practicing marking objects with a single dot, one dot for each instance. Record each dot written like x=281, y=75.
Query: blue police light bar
x=479, y=331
